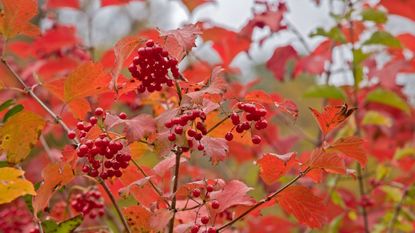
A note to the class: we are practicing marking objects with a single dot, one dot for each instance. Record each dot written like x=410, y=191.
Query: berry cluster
x=254, y=117
x=151, y=67
x=214, y=204
x=104, y=156
x=89, y=204
x=15, y=218
x=178, y=125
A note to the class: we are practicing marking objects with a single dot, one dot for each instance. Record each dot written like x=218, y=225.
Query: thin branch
x=397, y=211
x=117, y=207
x=29, y=90
x=265, y=200
x=150, y=181
x=175, y=186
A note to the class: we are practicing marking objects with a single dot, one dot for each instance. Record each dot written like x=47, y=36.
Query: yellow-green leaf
x=388, y=98
x=19, y=134
x=13, y=184
x=376, y=118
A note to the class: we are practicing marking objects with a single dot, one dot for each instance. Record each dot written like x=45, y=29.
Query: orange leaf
x=332, y=116
x=138, y=218
x=304, y=205
x=55, y=175
x=191, y=5
x=16, y=16
x=273, y=166
x=351, y=147
x=328, y=161
x=122, y=50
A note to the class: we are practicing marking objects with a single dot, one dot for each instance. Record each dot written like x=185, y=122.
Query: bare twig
x=175, y=186
x=397, y=211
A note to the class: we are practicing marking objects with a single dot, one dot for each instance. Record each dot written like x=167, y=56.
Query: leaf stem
x=117, y=207
x=265, y=200
x=175, y=186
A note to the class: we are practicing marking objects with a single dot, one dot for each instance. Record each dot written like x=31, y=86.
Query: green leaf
x=325, y=91
x=359, y=56
x=404, y=152
x=395, y=194
x=335, y=34
x=6, y=104
x=374, y=15
x=376, y=118
x=383, y=38
x=67, y=226
x=12, y=112
x=388, y=98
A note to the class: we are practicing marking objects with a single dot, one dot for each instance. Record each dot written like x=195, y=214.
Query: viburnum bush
x=163, y=132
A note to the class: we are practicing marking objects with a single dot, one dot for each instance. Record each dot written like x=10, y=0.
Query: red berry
x=235, y=118
x=215, y=204
x=256, y=139
x=209, y=188
x=71, y=134
x=204, y=220
x=211, y=230
x=229, y=136
x=98, y=111
x=178, y=130
x=195, y=229
x=122, y=116
x=196, y=192
x=150, y=43
x=172, y=137
x=80, y=125
x=200, y=147
x=93, y=120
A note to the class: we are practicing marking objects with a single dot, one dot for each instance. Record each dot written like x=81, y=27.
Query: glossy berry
x=200, y=147
x=172, y=137
x=215, y=204
x=209, y=188
x=196, y=192
x=93, y=120
x=195, y=229
x=256, y=139
x=71, y=135
x=122, y=116
x=211, y=230
x=205, y=220
x=228, y=136
x=98, y=111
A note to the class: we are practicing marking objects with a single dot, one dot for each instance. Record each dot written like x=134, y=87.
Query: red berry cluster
x=178, y=125
x=151, y=67
x=254, y=117
x=14, y=218
x=89, y=204
x=84, y=127
x=214, y=204
x=104, y=157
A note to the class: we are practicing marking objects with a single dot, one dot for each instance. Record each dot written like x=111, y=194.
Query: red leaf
x=233, y=193
x=270, y=224
x=304, y=205
x=332, y=116
x=259, y=96
x=273, y=166
x=315, y=62
x=16, y=16
x=62, y=3
x=136, y=128
x=216, y=85
x=216, y=148
x=191, y=5
x=405, y=8
x=278, y=62
x=227, y=43
x=408, y=40
x=272, y=18
x=166, y=164
x=352, y=147
x=328, y=161
x=181, y=41
x=55, y=39
x=122, y=50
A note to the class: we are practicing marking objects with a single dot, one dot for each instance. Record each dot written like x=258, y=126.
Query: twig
x=117, y=207
x=175, y=186
x=150, y=181
x=397, y=211
x=263, y=201
x=29, y=90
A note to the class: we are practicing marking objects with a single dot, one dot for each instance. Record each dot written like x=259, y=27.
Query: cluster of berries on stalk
x=15, y=218
x=196, y=130
x=152, y=66
x=104, y=156
x=89, y=203
x=214, y=204
x=249, y=116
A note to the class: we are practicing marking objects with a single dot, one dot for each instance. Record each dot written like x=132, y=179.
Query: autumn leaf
x=166, y=164
x=191, y=5
x=55, y=175
x=62, y=3
x=278, y=62
x=351, y=147
x=328, y=161
x=180, y=41
x=259, y=96
x=138, y=218
x=19, y=134
x=273, y=166
x=16, y=16
x=135, y=128
x=403, y=8
x=13, y=184
x=232, y=194
x=122, y=49
x=332, y=116
x=216, y=85
x=304, y=205
x=315, y=62
x=215, y=148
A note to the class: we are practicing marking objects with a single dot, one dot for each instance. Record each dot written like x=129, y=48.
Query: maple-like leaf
x=315, y=62
x=408, y=40
x=13, y=184
x=232, y=194
x=55, y=175
x=405, y=8
x=16, y=16
x=351, y=147
x=304, y=205
x=332, y=116
x=273, y=166
x=191, y=5
x=328, y=161
x=135, y=128
x=122, y=49
x=19, y=134
x=215, y=148
x=279, y=61
x=216, y=85
x=138, y=218
x=271, y=18
x=227, y=43
x=180, y=41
